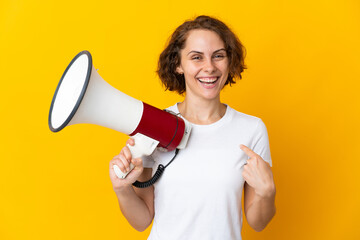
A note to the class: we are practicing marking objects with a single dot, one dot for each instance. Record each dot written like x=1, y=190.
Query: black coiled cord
x=157, y=175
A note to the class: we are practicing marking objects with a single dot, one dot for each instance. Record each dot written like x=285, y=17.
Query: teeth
x=208, y=80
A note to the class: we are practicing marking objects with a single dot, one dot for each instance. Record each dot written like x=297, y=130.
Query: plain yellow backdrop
x=302, y=80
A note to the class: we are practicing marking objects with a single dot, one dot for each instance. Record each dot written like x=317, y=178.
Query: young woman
x=199, y=195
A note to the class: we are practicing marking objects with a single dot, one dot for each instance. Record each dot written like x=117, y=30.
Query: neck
x=202, y=112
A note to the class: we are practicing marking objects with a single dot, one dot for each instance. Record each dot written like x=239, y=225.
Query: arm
x=259, y=191
x=137, y=205
x=258, y=210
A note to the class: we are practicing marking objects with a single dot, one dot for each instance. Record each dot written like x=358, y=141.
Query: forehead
x=203, y=40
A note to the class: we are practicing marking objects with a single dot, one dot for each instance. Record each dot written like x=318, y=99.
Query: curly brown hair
x=170, y=58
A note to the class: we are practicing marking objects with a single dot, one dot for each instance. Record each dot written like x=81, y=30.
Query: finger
x=245, y=175
x=125, y=163
x=138, y=169
x=130, y=141
x=248, y=151
x=112, y=171
x=127, y=153
x=245, y=168
x=137, y=162
x=117, y=161
x=121, y=162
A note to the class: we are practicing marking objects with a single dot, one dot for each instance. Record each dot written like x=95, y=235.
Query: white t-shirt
x=199, y=194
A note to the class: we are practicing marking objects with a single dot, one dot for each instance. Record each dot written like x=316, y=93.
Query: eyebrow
x=221, y=49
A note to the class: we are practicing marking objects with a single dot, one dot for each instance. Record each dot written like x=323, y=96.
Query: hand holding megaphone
x=144, y=146
x=123, y=161
x=82, y=96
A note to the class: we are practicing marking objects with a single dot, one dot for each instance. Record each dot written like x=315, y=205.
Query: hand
x=257, y=173
x=123, y=161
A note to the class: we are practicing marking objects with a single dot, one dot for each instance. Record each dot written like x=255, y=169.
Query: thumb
x=136, y=171
x=137, y=162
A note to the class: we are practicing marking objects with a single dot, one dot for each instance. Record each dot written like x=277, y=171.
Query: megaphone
x=82, y=96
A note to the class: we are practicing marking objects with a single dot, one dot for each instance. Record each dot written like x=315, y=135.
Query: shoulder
x=173, y=108
x=245, y=123
x=244, y=119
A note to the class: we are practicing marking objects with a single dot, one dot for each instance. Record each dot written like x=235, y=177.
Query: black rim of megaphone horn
x=86, y=83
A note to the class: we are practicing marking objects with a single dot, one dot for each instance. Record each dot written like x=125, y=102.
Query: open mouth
x=209, y=81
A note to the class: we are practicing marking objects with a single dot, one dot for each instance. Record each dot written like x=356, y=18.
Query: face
x=204, y=64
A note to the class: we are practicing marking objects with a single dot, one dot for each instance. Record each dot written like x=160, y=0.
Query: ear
x=179, y=70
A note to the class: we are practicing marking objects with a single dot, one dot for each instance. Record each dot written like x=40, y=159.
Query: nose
x=209, y=66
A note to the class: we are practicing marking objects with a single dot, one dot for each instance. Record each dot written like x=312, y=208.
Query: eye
x=219, y=56
x=196, y=57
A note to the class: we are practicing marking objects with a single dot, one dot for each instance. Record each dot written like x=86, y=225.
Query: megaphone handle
x=144, y=146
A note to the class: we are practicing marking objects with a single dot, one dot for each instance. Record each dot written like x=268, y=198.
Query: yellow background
x=302, y=80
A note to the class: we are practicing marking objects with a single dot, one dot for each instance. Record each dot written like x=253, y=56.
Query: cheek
x=224, y=67
x=192, y=71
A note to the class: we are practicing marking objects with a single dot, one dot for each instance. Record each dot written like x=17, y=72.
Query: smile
x=210, y=80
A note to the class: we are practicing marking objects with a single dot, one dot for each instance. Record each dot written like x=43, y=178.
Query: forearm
x=260, y=212
x=134, y=209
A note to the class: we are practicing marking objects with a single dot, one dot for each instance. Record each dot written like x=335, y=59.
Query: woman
x=199, y=194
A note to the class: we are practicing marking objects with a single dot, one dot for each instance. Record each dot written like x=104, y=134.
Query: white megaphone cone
x=82, y=96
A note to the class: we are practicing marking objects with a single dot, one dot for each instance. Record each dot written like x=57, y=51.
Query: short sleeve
x=261, y=144
x=148, y=161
